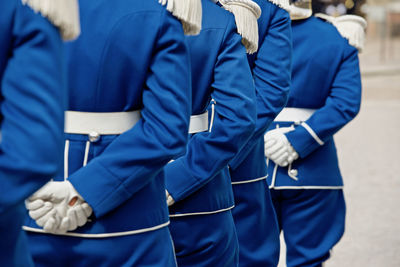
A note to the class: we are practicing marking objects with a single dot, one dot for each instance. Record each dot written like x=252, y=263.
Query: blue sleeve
x=209, y=152
x=135, y=157
x=341, y=106
x=272, y=75
x=32, y=107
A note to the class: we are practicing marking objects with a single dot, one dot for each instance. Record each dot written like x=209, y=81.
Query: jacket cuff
x=304, y=140
x=178, y=180
x=102, y=190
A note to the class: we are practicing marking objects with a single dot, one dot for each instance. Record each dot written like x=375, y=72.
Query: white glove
x=58, y=207
x=77, y=216
x=170, y=200
x=44, y=213
x=278, y=148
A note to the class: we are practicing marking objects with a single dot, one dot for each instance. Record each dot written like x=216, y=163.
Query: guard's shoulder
x=215, y=16
x=246, y=14
x=64, y=14
x=189, y=12
x=351, y=27
x=284, y=4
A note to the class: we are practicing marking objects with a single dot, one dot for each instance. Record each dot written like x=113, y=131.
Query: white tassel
x=281, y=3
x=246, y=13
x=64, y=14
x=297, y=13
x=189, y=12
x=350, y=27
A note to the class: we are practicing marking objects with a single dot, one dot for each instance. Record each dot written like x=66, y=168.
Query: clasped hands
x=58, y=207
x=278, y=148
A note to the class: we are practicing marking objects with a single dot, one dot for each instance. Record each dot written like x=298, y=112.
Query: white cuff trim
x=105, y=235
x=312, y=133
x=200, y=213
x=250, y=181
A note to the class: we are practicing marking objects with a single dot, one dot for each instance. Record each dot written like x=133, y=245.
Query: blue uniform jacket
x=198, y=180
x=32, y=102
x=32, y=73
x=271, y=67
x=131, y=55
x=325, y=77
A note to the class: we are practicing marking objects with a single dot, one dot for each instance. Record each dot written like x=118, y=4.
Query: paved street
x=369, y=156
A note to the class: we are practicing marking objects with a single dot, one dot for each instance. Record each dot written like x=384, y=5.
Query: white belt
x=198, y=123
x=102, y=123
x=109, y=123
x=295, y=114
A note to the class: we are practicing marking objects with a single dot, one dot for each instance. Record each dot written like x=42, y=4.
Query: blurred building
x=338, y=7
x=383, y=17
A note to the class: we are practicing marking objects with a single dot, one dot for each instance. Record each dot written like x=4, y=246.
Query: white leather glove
x=58, y=207
x=278, y=148
x=170, y=200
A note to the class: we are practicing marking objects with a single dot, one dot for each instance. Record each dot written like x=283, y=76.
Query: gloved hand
x=170, y=200
x=278, y=148
x=77, y=216
x=58, y=207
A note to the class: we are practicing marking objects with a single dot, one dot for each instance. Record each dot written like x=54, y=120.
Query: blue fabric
x=32, y=74
x=14, y=250
x=271, y=73
x=312, y=222
x=325, y=68
x=131, y=55
x=257, y=225
x=219, y=71
x=201, y=241
x=147, y=249
x=271, y=67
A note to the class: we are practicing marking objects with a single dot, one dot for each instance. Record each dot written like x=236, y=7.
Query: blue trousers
x=147, y=249
x=14, y=250
x=205, y=240
x=312, y=222
x=256, y=225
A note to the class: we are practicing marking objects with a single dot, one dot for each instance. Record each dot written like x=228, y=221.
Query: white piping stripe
x=312, y=133
x=66, y=153
x=134, y=232
x=274, y=175
x=212, y=114
x=250, y=181
x=85, y=159
x=305, y=187
x=200, y=213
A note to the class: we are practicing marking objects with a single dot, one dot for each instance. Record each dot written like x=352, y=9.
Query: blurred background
x=369, y=147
